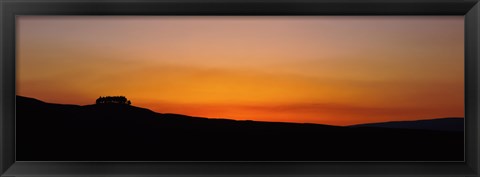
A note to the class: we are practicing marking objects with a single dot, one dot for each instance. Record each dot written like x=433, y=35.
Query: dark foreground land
x=117, y=132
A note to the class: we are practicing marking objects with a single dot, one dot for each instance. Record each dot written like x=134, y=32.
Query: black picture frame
x=12, y=8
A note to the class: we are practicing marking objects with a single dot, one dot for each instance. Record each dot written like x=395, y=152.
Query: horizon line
x=226, y=118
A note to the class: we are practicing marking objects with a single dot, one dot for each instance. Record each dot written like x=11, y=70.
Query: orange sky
x=337, y=70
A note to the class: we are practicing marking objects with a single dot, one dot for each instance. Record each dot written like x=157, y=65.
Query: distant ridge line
x=444, y=124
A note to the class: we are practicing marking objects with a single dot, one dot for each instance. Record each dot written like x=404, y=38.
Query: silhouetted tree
x=113, y=100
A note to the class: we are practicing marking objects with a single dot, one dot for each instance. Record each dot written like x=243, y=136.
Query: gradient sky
x=337, y=70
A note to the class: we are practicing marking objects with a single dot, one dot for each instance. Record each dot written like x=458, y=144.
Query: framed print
x=240, y=88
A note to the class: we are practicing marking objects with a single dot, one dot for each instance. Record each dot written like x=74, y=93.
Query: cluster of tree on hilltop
x=113, y=99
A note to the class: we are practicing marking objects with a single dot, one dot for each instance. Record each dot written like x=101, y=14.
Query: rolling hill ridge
x=110, y=132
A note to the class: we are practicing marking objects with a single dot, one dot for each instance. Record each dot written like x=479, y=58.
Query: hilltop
x=125, y=132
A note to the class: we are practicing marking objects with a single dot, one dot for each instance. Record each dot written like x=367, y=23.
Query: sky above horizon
x=337, y=70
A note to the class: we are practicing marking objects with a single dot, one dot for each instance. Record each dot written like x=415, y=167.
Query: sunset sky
x=337, y=70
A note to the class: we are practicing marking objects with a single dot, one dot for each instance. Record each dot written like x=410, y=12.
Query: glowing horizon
x=329, y=70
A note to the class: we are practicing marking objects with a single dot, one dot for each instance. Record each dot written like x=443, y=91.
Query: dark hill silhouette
x=110, y=132
x=442, y=124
